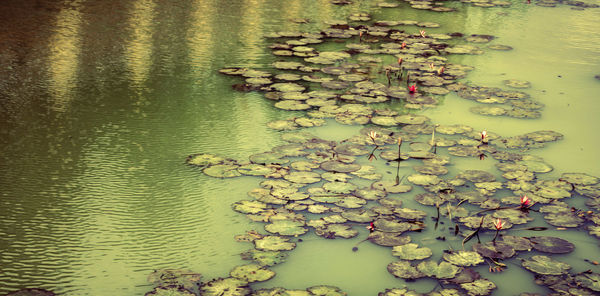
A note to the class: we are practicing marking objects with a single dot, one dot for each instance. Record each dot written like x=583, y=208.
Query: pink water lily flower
x=422, y=33
x=412, y=89
x=499, y=224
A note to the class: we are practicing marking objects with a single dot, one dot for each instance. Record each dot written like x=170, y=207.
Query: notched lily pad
x=225, y=287
x=206, y=159
x=545, y=265
x=388, y=239
x=514, y=83
x=579, y=179
x=274, y=243
x=325, y=290
x=336, y=230
x=264, y=258
x=286, y=227
x=411, y=252
x=549, y=244
x=590, y=280
x=443, y=270
x=404, y=269
x=463, y=258
x=252, y=273
x=303, y=177
x=479, y=287
x=339, y=167
x=496, y=250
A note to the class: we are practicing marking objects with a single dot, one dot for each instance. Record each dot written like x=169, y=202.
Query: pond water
x=102, y=101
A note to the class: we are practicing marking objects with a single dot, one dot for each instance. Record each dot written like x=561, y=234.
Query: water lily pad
x=495, y=250
x=368, y=172
x=410, y=214
x=286, y=227
x=488, y=110
x=479, y=287
x=477, y=176
x=579, y=179
x=390, y=225
x=431, y=169
x=206, y=159
x=274, y=243
x=337, y=230
x=225, y=287
x=411, y=119
x=388, y=239
x=351, y=149
x=359, y=215
x=423, y=180
x=268, y=158
x=303, y=177
x=324, y=290
x=399, y=292
x=249, y=206
x=292, y=105
x=463, y=258
x=443, y=270
x=222, y=171
x=391, y=187
x=174, y=277
x=252, y=273
x=339, y=167
x=264, y=258
x=545, y=265
x=254, y=169
x=339, y=187
x=411, y=252
x=536, y=166
x=404, y=269
x=500, y=47
x=514, y=83
x=518, y=243
x=170, y=290
x=549, y=244
x=590, y=280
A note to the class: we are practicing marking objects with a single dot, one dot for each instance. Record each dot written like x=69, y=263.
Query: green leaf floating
x=404, y=269
x=249, y=206
x=443, y=270
x=264, y=258
x=324, y=290
x=549, y=244
x=411, y=252
x=589, y=280
x=545, y=265
x=173, y=290
x=252, y=273
x=225, y=287
x=174, y=277
x=479, y=287
x=463, y=258
x=274, y=243
x=286, y=227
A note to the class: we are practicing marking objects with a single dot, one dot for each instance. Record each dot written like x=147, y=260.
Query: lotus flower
x=412, y=89
x=422, y=33
x=371, y=227
x=373, y=135
x=403, y=45
x=499, y=224
x=483, y=136
x=440, y=71
x=399, y=61
x=431, y=66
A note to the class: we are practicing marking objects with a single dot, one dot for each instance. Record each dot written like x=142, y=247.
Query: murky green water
x=103, y=100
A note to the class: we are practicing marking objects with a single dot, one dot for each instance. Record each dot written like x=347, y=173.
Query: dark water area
x=102, y=101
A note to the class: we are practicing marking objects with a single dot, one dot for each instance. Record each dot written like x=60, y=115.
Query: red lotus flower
x=412, y=89
x=399, y=61
x=499, y=224
x=403, y=45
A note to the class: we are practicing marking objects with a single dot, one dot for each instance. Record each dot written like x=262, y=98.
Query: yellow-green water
x=102, y=102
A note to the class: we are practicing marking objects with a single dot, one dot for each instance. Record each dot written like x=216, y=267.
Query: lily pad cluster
x=500, y=102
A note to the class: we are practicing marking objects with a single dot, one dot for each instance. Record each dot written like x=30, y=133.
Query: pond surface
x=102, y=101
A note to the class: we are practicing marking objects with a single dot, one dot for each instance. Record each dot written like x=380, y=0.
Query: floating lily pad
x=172, y=290
x=410, y=214
x=286, y=227
x=324, y=290
x=463, y=258
x=545, y=265
x=225, y=287
x=443, y=270
x=477, y=176
x=274, y=243
x=500, y=47
x=368, y=172
x=536, y=166
x=549, y=244
x=590, y=280
x=264, y=258
x=303, y=177
x=488, y=110
x=268, y=158
x=404, y=269
x=249, y=206
x=254, y=169
x=359, y=215
x=339, y=167
x=514, y=83
x=388, y=239
x=431, y=169
x=206, y=159
x=337, y=230
x=292, y=105
x=411, y=119
x=423, y=180
x=411, y=252
x=252, y=273
x=174, y=277
x=222, y=171
x=388, y=225
x=479, y=287
x=579, y=179
x=351, y=149
x=399, y=292
x=495, y=250
x=518, y=243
